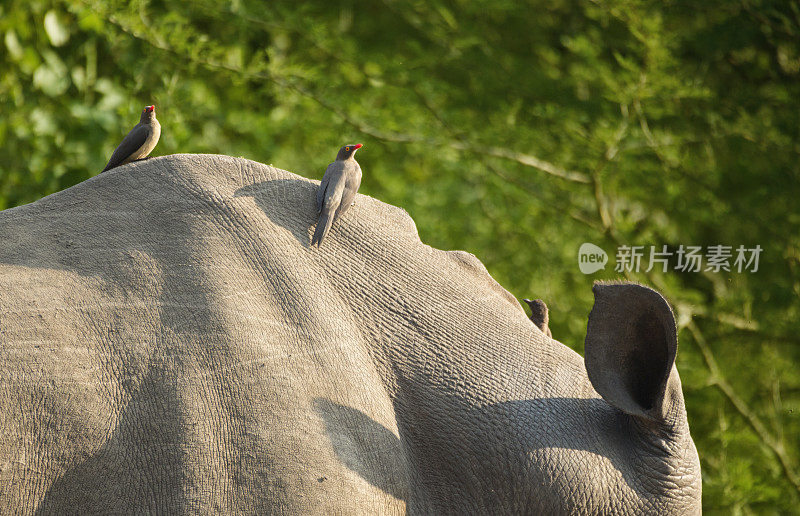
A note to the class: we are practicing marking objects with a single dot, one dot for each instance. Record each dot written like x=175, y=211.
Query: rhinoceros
x=172, y=344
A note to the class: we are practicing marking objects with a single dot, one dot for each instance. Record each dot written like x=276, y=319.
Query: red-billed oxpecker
x=337, y=191
x=139, y=142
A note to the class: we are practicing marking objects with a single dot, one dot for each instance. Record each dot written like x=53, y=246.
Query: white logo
x=591, y=258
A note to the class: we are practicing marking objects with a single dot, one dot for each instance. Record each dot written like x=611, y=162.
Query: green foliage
x=514, y=130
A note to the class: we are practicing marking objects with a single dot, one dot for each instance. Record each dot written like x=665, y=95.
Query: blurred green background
x=514, y=130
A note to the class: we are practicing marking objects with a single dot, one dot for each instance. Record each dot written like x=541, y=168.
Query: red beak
x=151, y=108
x=357, y=146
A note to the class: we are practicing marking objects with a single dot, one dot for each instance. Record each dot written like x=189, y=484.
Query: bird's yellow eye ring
x=347, y=149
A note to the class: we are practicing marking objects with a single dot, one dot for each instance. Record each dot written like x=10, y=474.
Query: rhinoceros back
x=170, y=342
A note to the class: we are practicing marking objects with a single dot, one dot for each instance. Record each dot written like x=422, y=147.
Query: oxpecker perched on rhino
x=337, y=191
x=140, y=142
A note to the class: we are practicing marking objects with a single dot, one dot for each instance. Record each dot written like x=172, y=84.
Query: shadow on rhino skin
x=492, y=455
x=289, y=203
x=139, y=469
x=366, y=447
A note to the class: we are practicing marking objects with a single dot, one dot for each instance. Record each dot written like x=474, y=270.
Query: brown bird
x=540, y=315
x=139, y=142
x=337, y=191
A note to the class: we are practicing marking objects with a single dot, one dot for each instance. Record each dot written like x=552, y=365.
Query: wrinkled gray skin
x=138, y=143
x=169, y=343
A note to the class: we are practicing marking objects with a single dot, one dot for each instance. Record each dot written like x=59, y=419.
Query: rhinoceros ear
x=631, y=342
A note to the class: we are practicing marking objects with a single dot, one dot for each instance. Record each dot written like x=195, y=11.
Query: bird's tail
x=323, y=226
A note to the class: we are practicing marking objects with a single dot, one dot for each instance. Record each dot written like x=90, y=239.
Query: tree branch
x=500, y=152
x=717, y=379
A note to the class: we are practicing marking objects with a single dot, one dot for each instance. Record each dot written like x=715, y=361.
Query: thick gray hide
x=171, y=344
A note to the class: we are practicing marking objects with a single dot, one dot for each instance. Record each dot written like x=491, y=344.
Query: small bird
x=337, y=191
x=139, y=142
x=540, y=315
